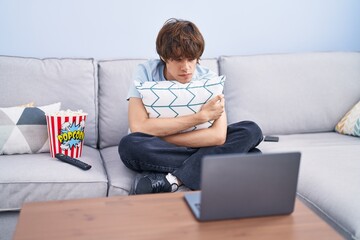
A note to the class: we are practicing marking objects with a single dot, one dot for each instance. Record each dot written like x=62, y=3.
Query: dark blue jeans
x=144, y=152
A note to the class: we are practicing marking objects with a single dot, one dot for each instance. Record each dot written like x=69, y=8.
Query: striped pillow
x=350, y=123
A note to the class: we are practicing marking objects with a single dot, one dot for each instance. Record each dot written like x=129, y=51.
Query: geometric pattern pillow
x=170, y=99
x=350, y=123
x=24, y=129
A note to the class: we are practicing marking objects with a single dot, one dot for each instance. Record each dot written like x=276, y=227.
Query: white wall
x=127, y=29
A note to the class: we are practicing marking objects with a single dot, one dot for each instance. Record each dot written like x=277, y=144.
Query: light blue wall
x=127, y=29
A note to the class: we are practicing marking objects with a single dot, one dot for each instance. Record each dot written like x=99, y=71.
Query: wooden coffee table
x=157, y=216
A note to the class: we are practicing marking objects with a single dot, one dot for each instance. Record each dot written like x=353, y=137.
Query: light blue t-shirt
x=153, y=70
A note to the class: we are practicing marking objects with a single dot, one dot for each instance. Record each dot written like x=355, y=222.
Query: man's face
x=181, y=70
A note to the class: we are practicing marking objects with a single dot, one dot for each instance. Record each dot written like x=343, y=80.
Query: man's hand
x=214, y=108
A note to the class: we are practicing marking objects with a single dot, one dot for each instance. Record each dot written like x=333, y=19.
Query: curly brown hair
x=179, y=39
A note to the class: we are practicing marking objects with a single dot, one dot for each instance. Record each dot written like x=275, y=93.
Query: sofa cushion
x=24, y=129
x=8, y=222
x=170, y=99
x=350, y=123
x=329, y=176
x=120, y=177
x=72, y=82
x=291, y=93
x=114, y=80
x=38, y=177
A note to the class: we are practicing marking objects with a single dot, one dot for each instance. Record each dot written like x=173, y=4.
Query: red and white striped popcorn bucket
x=66, y=133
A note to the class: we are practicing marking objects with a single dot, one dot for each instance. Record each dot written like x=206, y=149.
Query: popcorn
x=67, y=112
x=66, y=132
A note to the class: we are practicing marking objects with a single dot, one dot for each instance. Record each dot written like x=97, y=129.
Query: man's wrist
x=200, y=117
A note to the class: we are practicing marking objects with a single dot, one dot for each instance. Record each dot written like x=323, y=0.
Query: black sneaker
x=150, y=183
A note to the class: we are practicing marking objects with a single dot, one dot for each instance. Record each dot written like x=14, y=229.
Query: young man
x=165, y=156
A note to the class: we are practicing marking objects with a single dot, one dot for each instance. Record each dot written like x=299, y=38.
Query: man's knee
x=124, y=144
x=250, y=128
x=255, y=129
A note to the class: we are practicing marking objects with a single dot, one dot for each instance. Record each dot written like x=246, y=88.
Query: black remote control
x=271, y=139
x=73, y=161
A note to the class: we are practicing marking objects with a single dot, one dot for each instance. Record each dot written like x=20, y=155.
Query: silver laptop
x=245, y=185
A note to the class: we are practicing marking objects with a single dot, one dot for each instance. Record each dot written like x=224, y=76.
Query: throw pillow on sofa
x=24, y=129
x=166, y=99
x=350, y=123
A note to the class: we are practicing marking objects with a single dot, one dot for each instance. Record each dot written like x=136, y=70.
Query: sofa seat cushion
x=298, y=142
x=8, y=221
x=38, y=177
x=329, y=176
x=120, y=177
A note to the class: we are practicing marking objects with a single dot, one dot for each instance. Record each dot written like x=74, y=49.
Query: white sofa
x=299, y=97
